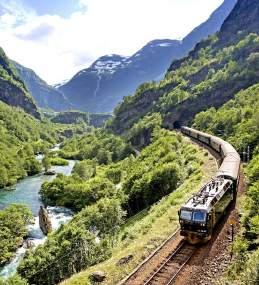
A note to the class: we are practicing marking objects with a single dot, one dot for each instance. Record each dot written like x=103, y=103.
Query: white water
x=27, y=192
x=58, y=216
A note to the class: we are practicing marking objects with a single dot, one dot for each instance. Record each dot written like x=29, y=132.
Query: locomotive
x=199, y=215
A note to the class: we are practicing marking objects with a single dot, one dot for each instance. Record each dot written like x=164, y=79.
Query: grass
x=144, y=232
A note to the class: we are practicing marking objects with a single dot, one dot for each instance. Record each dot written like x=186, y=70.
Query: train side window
x=186, y=215
x=199, y=216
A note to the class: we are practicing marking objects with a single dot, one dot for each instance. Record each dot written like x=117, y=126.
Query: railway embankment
x=149, y=229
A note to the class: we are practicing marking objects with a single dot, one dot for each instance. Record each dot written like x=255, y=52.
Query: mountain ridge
x=209, y=76
x=123, y=76
x=45, y=95
x=12, y=89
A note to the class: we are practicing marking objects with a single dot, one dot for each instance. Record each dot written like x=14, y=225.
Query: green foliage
x=14, y=280
x=46, y=162
x=58, y=161
x=140, y=134
x=21, y=137
x=85, y=169
x=158, y=170
x=101, y=193
x=13, y=227
x=98, y=144
x=237, y=120
x=74, y=246
x=209, y=71
x=76, y=194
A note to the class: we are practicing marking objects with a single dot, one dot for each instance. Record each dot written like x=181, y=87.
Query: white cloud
x=56, y=48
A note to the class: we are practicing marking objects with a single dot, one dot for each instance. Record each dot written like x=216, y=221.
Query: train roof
x=209, y=194
x=229, y=166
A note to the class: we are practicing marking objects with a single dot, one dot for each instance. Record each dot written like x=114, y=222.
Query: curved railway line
x=167, y=262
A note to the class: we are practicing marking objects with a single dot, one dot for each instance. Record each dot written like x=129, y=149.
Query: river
x=26, y=192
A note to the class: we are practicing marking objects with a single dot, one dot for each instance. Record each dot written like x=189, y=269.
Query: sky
x=57, y=38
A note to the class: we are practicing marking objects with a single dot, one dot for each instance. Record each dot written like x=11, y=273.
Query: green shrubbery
x=103, y=194
x=238, y=122
x=74, y=246
x=13, y=228
x=99, y=145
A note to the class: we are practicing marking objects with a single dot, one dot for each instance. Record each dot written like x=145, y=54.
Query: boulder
x=125, y=259
x=44, y=221
x=98, y=276
x=50, y=172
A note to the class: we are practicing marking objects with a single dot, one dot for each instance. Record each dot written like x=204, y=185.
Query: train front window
x=186, y=215
x=199, y=216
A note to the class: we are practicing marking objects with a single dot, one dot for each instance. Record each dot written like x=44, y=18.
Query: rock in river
x=44, y=221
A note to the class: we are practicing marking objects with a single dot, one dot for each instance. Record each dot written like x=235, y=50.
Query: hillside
x=237, y=121
x=101, y=86
x=73, y=117
x=12, y=89
x=209, y=76
x=45, y=96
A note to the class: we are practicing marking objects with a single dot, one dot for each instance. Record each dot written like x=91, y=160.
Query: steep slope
x=209, y=76
x=73, y=117
x=12, y=89
x=45, y=96
x=101, y=86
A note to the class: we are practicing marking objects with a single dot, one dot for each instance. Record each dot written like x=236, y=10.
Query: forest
x=105, y=195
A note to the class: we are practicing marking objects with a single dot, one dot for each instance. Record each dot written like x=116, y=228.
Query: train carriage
x=201, y=213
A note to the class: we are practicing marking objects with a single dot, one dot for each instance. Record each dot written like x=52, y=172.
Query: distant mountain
x=12, y=89
x=45, y=95
x=101, y=86
x=217, y=69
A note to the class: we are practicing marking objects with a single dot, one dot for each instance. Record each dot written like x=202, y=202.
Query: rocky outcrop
x=12, y=89
x=15, y=96
x=243, y=19
x=72, y=117
x=44, y=221
x=125, y=260
x=98, y=276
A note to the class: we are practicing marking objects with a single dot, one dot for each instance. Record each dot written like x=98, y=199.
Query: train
x=200, y=214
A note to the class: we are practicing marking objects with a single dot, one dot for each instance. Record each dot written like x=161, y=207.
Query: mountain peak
x=243, y=18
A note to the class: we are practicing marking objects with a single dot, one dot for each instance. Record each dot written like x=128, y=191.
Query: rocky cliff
x=72, y=117
x=12, y=89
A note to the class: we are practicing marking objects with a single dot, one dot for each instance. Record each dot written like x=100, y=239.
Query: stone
x=28, y=244
x=98, y=276
x=50, y=172
x=44, y=221
x=124, y=259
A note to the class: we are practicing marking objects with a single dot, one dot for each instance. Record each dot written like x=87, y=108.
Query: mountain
x=45, y=95
x=217, y=69
x=12, y=89
x=101, y=86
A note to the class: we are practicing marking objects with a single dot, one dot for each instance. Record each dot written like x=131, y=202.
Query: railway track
x=169, y=269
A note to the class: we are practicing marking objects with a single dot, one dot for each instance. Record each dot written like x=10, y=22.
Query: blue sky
x=63, y=8
x=57, y=38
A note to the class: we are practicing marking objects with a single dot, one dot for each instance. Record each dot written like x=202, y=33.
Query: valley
x=105, y=157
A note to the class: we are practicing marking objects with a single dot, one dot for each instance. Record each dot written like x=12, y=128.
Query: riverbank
x=26, y=192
